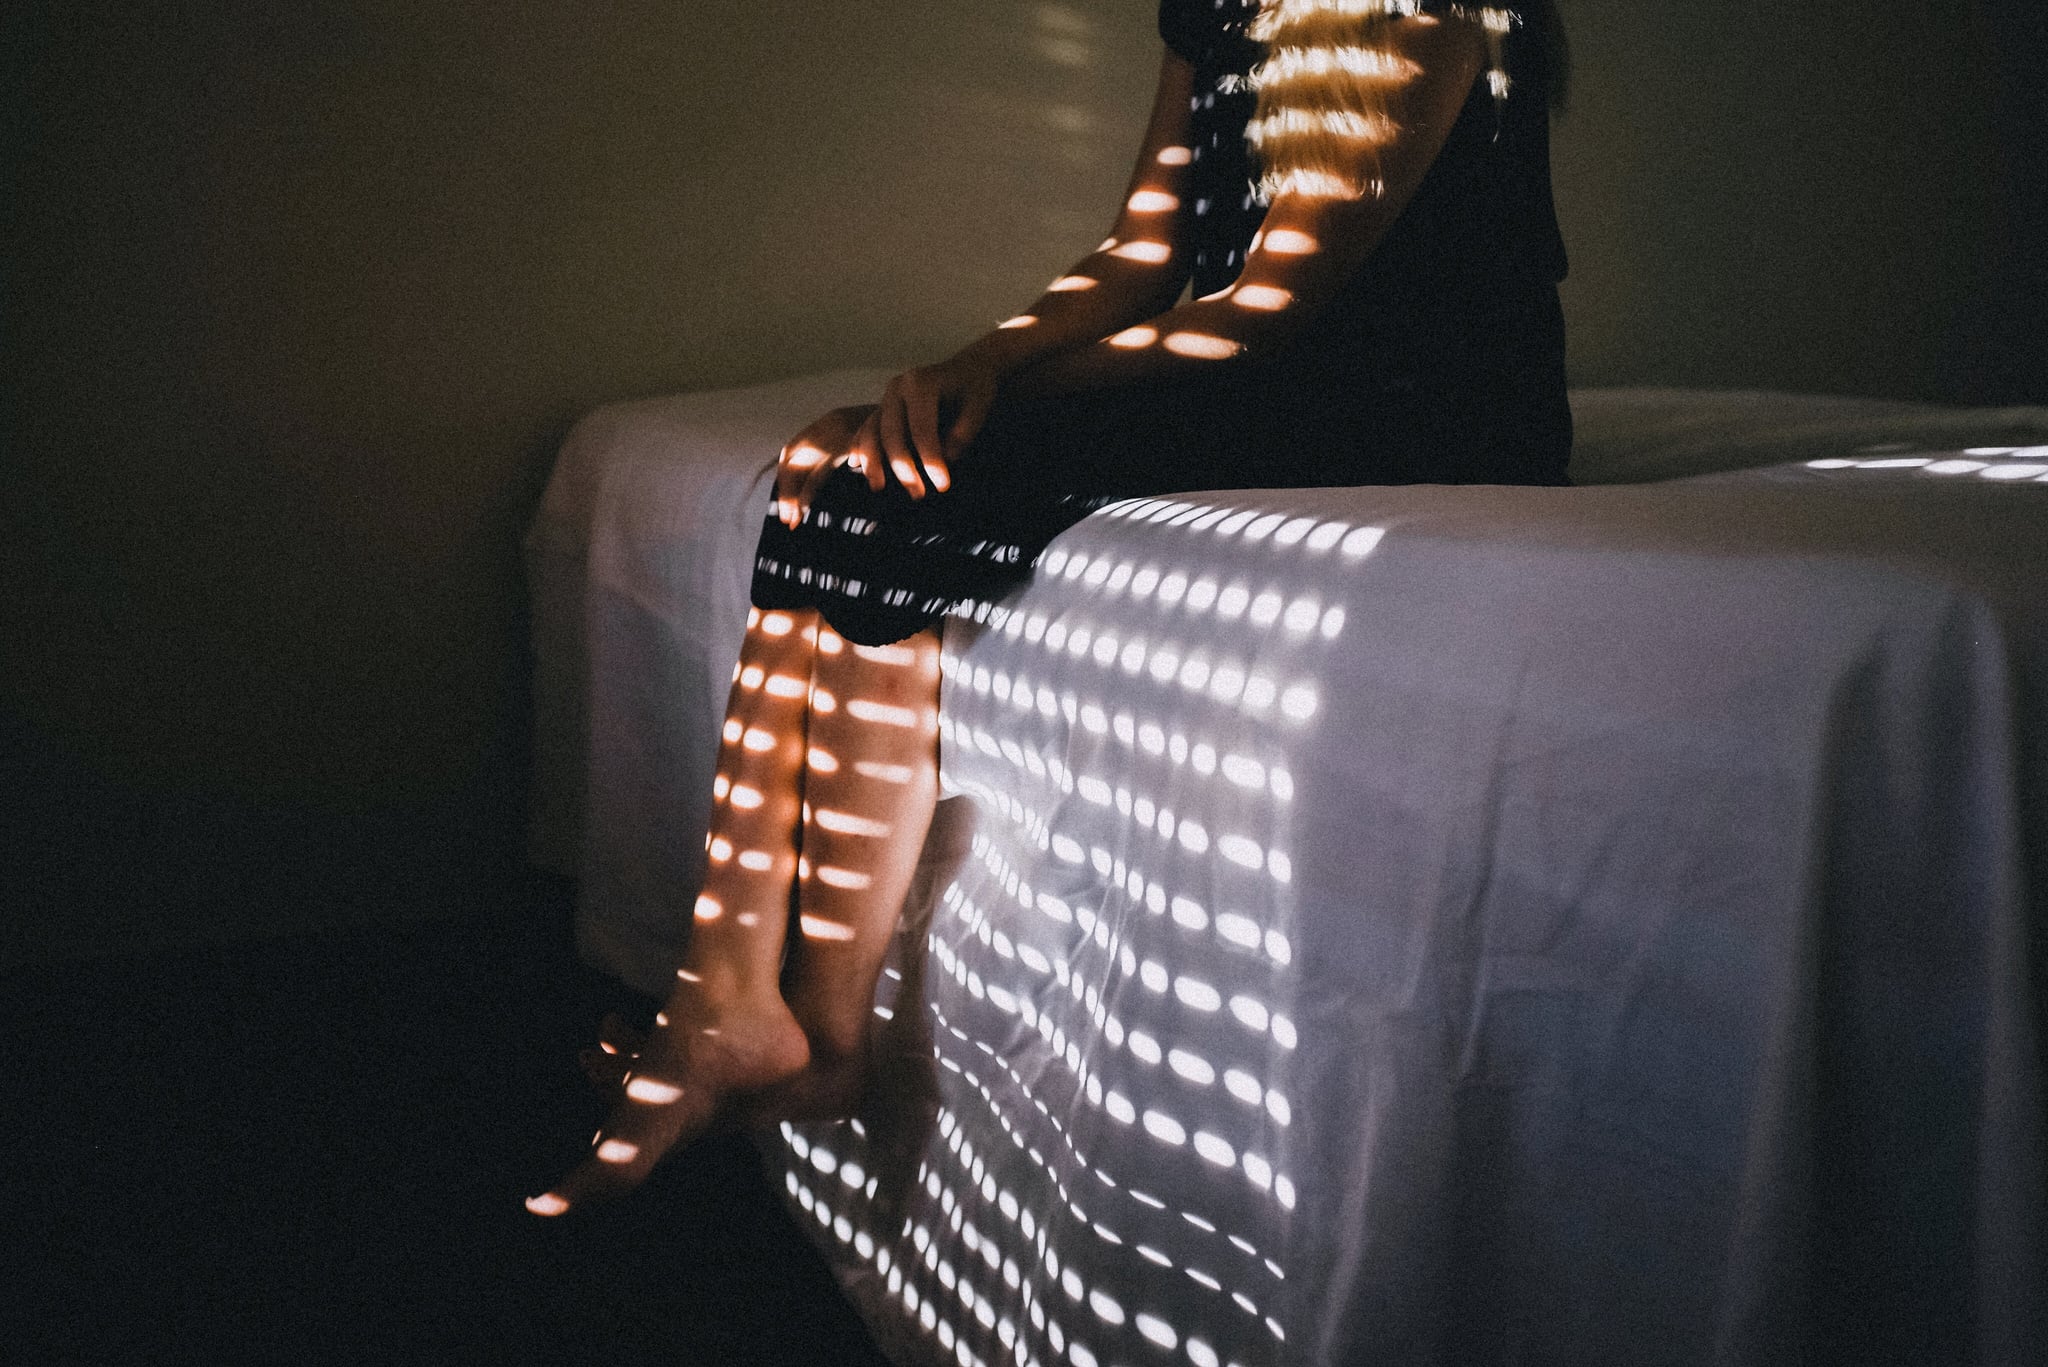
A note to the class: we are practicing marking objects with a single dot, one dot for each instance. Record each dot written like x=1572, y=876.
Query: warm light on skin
x=787, y=686
x=1131, y=339
x=617, y=1151
x=661, y=1017
x=745, y=798
x=1175, y=156
x=1022, y=320
x=1263, y=298
x=818, y=928
x=821, y=701
x=1317, y=63
x=1152, y=202
x=881, y=713
x=848, y=879
x=753, y=618
x=779, y=623
x=759, y=741
x=1201, y=346
x=887, y=655
x=751, y=676
x=649, y=1092
x=1277, y=13
x=757, y=861
x=720, y=786
x=905, y=471
x=1291, y=242
x=884, y=773
x=709, y=908
x=733, y=731
x=846, y=823
x=821, y=761
x=804, y=456
x=547, y=1206
x=721, y=850
x=1342, y=124
x=831, y=642
x=1150, y=253
x=1068, y=284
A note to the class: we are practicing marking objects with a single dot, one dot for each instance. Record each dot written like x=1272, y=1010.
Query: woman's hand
x=813, y=453
x=928, y=416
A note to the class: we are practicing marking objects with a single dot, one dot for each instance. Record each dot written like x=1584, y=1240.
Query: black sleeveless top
x=1481, y=227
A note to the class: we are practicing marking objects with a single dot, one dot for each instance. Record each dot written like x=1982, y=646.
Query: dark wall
x=299, y=295
x=1805, y=197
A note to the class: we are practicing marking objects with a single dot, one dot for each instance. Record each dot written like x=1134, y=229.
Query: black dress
x=1441, y=362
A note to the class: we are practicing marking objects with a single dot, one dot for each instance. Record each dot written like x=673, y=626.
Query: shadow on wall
x=1805, y=197
x=300, y=297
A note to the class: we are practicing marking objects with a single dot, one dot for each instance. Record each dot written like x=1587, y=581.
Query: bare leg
x=828, y=749
x=870, y=788
x=726, y=1027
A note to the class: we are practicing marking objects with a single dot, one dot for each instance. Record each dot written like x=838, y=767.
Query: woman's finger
x=867, y=452
x=967, y=425
x=896, y=437
x=800, y=460
x=922, y=411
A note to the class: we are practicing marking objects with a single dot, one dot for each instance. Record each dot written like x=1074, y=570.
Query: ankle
x=835, y=1042
x=720, y=989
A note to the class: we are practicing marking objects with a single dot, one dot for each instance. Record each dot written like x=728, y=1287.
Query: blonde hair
x=1323, y=92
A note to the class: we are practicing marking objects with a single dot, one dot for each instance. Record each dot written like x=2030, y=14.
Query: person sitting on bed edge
x=1358, y=194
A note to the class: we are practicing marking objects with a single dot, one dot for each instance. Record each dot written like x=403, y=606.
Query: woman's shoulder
x=1526, y=33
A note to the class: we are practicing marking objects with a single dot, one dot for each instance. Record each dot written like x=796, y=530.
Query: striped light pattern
x=1107, y=976
x=1323, y=89
x=1995, y=464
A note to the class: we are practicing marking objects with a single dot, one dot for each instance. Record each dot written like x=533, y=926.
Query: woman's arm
x=1308, y=247
x=1111, y=320
x=1138, y=272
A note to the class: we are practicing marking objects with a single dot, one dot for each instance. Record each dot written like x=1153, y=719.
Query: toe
x=617, y=1036
x=641, y=1129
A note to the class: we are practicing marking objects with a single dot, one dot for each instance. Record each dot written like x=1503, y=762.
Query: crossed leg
x=869, y=792
x=826, y=782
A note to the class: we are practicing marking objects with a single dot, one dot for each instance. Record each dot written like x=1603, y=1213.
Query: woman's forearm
x=1299, y=263
x=1101, y=294
x=1138, y=272
x=1195, y=338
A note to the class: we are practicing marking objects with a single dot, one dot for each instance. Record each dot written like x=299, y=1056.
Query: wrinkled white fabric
x=1450, y=926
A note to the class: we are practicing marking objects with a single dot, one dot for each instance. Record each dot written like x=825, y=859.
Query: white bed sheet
x=1607, y=940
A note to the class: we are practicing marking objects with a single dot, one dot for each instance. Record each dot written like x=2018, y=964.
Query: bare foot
x=891, y=1086
x=616, y=1054
x=828, y=1088
x=700, y=1053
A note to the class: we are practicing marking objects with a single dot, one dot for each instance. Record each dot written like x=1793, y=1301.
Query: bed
x=1409, y=925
